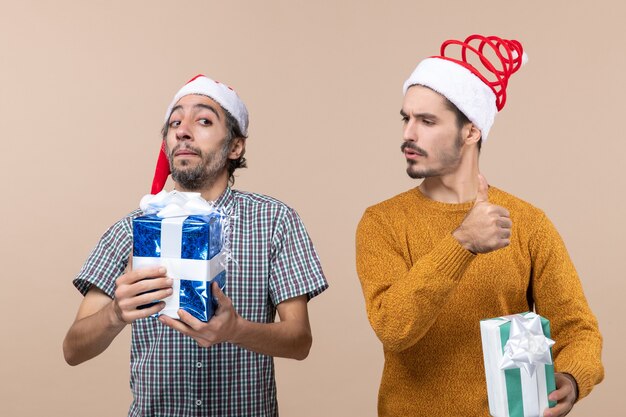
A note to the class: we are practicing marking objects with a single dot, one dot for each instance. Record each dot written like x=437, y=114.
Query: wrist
x=114, y=318
x=463, y=240
x=574, y=384
x=238, y=331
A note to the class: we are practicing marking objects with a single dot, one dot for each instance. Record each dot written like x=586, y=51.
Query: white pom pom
x=524, y=58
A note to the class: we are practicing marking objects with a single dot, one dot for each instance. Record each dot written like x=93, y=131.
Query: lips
x=185, y=152
x=412, y=151
x=412, y=154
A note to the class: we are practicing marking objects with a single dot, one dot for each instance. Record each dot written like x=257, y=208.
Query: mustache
x=184, y=147
x=413, y=147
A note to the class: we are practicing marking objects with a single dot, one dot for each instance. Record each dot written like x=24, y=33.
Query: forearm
x=581, y=358
x=91, y=335
x=559, y=297
x=578, y=348
x=403, y=304
x=284, y=339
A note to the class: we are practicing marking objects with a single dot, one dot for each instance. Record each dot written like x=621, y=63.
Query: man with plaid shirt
x=186, y=367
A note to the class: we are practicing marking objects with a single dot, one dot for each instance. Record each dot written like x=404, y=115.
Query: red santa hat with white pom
x=477, y=90
x=223, y=95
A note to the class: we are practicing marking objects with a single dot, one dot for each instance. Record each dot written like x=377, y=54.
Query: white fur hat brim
x=459, y=85
x=220, y=93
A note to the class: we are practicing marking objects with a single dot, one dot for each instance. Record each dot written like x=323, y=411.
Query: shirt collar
x=226, y=201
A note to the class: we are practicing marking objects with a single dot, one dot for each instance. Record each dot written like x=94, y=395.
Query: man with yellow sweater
x=437, y=259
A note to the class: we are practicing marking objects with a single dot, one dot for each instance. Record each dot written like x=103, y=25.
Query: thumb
x=483, y=187
x=218, y=293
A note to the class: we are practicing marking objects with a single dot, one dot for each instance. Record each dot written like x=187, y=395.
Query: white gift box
x=518, y=364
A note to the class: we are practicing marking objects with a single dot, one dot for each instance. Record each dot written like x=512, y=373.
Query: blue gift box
x=191, y=248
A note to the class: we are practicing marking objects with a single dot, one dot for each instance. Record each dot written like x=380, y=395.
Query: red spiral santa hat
x=222, y=95
x=478, y=92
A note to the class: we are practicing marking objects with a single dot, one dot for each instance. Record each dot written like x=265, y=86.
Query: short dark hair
x=232, y=132
x=461, y=118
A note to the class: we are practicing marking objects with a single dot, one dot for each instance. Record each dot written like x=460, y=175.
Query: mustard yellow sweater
x=425, y=296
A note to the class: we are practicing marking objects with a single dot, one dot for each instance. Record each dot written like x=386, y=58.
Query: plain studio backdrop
x=83, y=91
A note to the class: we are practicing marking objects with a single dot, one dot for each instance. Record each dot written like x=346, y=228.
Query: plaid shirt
x=170, y=375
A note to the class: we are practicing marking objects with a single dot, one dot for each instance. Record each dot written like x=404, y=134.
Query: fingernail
x=162, y=270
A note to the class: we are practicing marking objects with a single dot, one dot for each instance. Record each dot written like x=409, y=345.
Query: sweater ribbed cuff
x=580, y=374
x=451, y=258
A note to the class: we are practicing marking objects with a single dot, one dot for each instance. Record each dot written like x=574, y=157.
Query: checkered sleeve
x=295, y=269
x=109, y=258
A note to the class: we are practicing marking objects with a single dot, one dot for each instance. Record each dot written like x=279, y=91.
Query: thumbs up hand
x=483, y=190
x=486, y=227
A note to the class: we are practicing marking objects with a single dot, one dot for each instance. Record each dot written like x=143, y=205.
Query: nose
x=183, y=132
x=409, y=133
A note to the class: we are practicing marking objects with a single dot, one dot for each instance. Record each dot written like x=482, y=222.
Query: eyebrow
x=196, y=106
x=419, y=115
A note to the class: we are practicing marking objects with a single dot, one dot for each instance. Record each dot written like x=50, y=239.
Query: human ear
x=237, y=148
x=471, y=134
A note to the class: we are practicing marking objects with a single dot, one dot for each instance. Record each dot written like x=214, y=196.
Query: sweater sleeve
x=559, y=297
x=403, y=299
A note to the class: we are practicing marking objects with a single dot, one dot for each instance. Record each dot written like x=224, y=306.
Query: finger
x=143, y=292
x=500, y=211
x=149, y=311
x=190, y=320
x=130, y=316
x=151, y=297
x=143, y=273
x=175, y=324
x=501, y=243
x=505, y=222
x=152, y=284
x=560, y=393
x=483, y=190
x=556, y=411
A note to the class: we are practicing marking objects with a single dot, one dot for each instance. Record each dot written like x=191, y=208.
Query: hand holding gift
x=138, y=288
x=221, y=328
x=187, y=236
x=565, y=395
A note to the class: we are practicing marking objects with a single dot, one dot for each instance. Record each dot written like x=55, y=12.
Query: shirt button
x=198, y=364
x=198, y=402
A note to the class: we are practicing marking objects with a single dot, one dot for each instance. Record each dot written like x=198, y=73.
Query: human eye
x=174, y=123
x=405, y=118
x=205, y=122
x=428, y=122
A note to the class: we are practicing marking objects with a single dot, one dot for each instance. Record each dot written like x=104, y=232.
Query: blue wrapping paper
x=191, y=248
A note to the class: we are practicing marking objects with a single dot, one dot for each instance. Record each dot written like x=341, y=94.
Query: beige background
x=83, y=89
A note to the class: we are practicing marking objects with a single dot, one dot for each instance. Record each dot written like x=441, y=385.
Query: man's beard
x=204, y=174
x=447, y=159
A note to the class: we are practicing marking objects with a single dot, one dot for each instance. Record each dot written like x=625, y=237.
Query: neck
x=458, y=186
x=212, y=190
